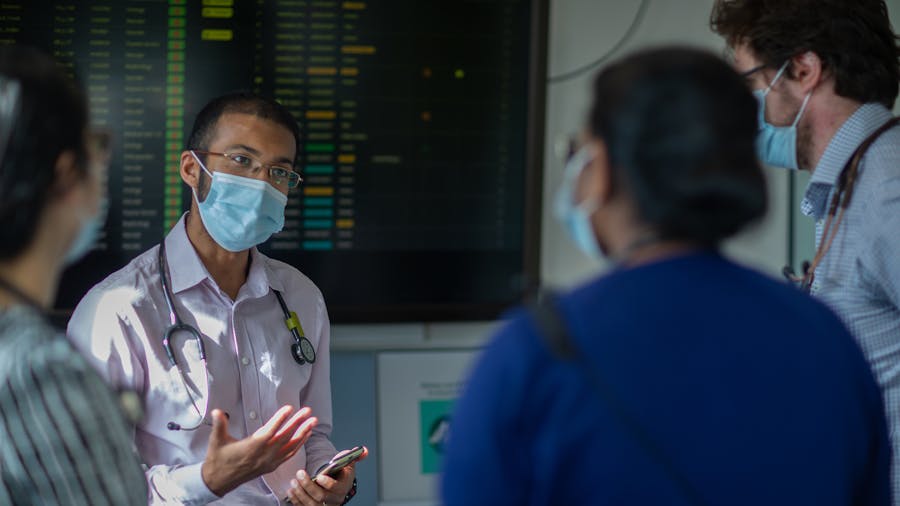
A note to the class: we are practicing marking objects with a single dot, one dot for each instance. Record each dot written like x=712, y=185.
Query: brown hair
x=853, y=39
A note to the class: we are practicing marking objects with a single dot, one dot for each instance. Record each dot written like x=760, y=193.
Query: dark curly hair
x=679, y=125
x=853, y=38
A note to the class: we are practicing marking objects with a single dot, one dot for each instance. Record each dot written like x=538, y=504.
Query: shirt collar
x=189, y=271
x=861, y=124
x=261, y=276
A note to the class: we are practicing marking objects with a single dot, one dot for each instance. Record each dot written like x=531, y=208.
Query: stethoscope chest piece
x=303, y=351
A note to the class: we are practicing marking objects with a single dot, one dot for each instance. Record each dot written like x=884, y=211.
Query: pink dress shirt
x=119, y=327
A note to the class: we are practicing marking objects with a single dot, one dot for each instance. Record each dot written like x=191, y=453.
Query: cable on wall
x=577, y=72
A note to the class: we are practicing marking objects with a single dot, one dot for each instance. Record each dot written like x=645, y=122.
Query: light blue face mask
x=90, y=228
x=240, y=212
x=777, y=146
x=86, y=237
x=577, y=217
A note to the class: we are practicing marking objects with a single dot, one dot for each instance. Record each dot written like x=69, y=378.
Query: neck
x=631, y=243
x=824, y=121
x=30, y=275
x=655, y=251
x=228, y=269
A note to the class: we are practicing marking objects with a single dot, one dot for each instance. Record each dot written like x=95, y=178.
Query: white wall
x=585, y=30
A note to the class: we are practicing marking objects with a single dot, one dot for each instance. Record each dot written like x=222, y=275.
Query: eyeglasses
x=240, y=162
x=747, y=73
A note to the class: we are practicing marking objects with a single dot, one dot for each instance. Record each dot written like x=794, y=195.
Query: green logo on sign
x=434, y=424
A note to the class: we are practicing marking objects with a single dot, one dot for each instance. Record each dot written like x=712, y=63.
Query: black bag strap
x=553, y=329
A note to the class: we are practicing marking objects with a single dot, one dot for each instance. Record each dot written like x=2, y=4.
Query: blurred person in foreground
x=63, y=436
x=678, y=377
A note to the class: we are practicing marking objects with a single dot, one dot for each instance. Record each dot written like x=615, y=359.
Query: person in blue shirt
x=678, y=377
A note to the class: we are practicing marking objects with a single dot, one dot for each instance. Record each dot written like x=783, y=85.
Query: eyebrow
x=255, y=152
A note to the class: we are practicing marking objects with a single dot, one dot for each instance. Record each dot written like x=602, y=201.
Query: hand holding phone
x=332, y=469
x=341, y=460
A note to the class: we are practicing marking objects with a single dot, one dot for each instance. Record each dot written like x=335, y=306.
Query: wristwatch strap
x=351, y=493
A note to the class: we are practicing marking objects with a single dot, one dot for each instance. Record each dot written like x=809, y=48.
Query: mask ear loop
x=777, y=77
x=805, y=99
x=802, y=109
x=566, y=198
x=589, y=206
x=202, y=165
x=10, y=91
x=204, y=169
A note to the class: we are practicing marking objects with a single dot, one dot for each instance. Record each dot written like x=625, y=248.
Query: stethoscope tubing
x=177, y=325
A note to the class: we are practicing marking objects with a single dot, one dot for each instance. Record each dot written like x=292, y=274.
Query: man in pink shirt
x=228, y=349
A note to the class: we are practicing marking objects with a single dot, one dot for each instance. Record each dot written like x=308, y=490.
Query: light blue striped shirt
x=859, y=278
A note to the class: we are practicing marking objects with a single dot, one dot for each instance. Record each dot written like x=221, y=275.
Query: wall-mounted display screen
x=421, y=127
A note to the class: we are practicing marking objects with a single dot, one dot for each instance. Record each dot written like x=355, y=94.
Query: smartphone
x=340, y=461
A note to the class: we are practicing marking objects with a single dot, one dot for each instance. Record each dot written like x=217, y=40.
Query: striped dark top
x=63, y=436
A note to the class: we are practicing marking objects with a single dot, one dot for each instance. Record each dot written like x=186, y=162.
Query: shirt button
x=252, y=415
x=245, y=361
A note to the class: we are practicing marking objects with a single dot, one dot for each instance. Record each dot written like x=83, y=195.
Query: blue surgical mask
x=576, y=217
x=240, y=212
x=87, y=236
x=775, y=145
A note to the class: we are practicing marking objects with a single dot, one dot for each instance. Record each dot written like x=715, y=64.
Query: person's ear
x=66, y=174
x=190, y=170
x=806, y=70
x=596, y=179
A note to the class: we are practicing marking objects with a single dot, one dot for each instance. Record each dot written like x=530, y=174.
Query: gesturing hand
x=231, y=462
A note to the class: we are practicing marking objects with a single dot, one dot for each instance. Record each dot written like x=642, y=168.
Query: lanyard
x=839, y=203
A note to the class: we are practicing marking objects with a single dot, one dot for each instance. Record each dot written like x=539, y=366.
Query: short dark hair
x=853, y=38
x=240, y=103
x=52, y=117
x=680, y=126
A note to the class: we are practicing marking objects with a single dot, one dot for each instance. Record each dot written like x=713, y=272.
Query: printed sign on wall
x=416, y=395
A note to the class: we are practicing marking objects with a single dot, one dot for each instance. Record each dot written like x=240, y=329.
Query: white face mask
x=576, y=217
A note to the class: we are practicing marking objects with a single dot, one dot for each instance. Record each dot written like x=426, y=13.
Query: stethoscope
x=302, y=349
